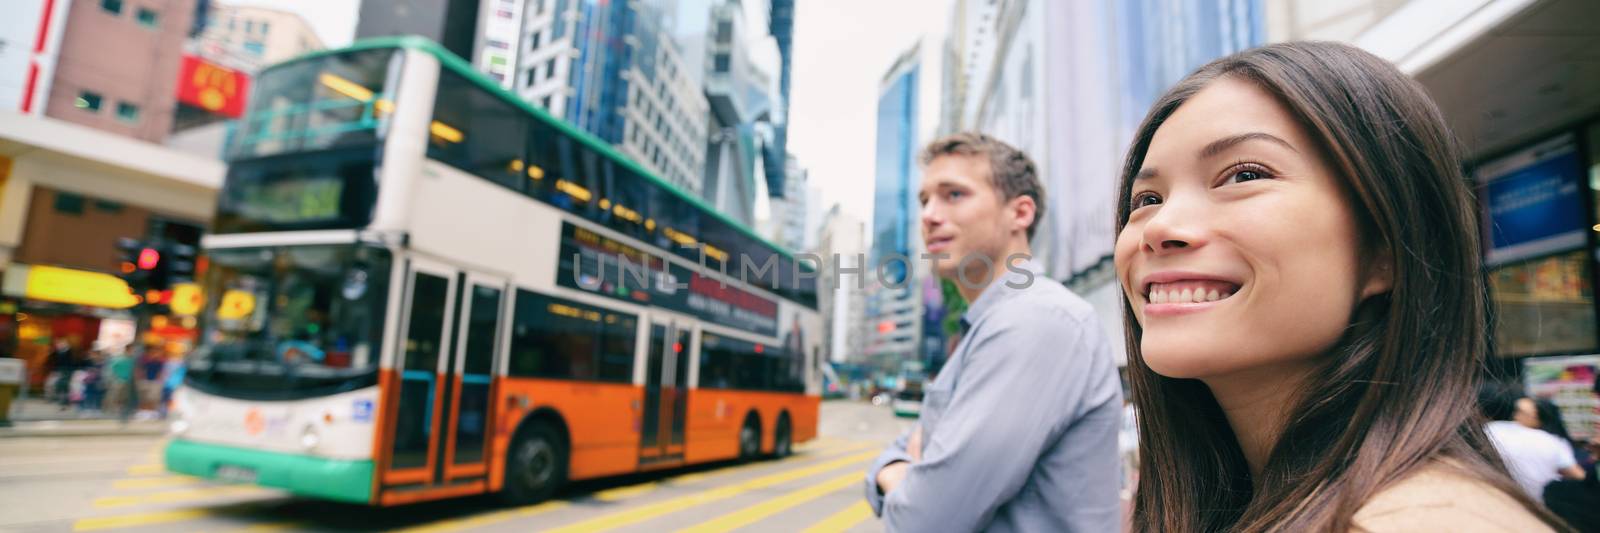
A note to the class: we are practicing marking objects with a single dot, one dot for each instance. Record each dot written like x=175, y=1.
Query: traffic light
x=180, y=262
x=135, y=262
x=155, y=266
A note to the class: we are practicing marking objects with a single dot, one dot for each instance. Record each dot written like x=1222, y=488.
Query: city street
x=116, y=483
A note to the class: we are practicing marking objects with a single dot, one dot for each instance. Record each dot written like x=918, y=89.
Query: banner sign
x=594, y=263
x=1534, y=202
x=211, y=87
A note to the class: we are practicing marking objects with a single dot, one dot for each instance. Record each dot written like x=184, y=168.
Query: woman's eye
x=1145, y=199
x=955, y=194
x=1248, y=173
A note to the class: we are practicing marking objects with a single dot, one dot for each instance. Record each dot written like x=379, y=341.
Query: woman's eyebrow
x=1221, y=145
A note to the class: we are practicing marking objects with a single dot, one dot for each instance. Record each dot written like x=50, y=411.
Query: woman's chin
x=1181, y=365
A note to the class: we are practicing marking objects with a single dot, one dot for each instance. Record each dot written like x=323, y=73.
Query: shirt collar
x=1000, y=290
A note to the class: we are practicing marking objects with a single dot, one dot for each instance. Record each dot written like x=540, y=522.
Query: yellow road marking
x=646, y=512
x=142, y=519
x=153, y=482
x=622, y=493
x=641, y=488
x=772, y=506
x=269, y=527
x=843, y=520
x=486, y=519
x=180, y=495
x=146, y=470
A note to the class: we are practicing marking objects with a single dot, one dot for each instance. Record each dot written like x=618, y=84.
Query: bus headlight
x=309, y=438
x=180, y=426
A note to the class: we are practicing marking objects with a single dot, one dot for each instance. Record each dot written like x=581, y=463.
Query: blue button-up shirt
x=1020, y=426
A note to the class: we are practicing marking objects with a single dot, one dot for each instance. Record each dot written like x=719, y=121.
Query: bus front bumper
x=333, y=479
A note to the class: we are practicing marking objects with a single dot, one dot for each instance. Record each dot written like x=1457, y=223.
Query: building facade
x=251, y=37
x=67, y=193
x=841, y=242
x=613, y=69
x=742, y=72
x=117, y=70
x=894, y=288
x=791, y=212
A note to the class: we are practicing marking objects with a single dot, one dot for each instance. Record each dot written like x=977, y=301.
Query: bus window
x=311, y=104
x=333, y=189
x=569, y=191
x=477, y=132
x=716, y=363
x=557, y=338
x=541, y=160
x=628, y=208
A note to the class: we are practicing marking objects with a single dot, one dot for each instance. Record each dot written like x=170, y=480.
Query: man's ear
x=1022, y=210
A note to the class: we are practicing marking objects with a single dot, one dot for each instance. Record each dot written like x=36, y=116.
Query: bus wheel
x=536, y=465
x=782, y=439
x=749, y=440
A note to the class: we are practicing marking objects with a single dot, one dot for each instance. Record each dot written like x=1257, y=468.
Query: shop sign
x=1534, y=202
x=186, y=299
x=69, y=286
x=1567, y=382
x=212, y=87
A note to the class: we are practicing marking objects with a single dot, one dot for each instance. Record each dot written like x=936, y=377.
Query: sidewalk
x=34, y=417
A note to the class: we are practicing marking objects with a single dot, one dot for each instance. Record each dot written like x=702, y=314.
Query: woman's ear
x=1379, y=275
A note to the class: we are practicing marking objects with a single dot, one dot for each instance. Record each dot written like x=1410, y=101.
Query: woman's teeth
x=1187, y=296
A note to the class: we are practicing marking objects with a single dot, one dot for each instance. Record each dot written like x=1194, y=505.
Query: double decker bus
x=420, y=287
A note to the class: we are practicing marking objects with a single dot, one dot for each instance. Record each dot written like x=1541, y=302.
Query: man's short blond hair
x=1010, y=170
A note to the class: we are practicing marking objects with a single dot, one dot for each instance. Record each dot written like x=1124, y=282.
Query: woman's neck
x=1257, y=404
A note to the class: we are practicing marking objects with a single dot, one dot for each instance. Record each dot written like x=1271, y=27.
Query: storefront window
x=1544, y=306
x=1537, y=238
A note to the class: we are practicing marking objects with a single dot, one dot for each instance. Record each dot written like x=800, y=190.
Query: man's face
x=1527, y=413
x=964, y=215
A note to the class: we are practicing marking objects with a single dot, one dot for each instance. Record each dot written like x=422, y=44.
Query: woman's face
x=1241, y=251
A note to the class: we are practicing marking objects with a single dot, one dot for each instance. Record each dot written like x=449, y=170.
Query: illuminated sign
x=211, y=87
x=69, y=286
x=236, y=304
x=186, y=299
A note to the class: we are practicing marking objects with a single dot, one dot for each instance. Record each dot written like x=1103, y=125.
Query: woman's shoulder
x=1443, y=497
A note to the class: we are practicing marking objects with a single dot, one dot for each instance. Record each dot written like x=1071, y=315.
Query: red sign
x=212, y=87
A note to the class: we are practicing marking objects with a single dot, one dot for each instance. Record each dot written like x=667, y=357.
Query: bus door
x=440, y=417
x=479, y=333
x=666, y=398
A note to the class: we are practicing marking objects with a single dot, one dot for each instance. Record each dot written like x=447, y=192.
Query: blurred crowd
x=112, y=381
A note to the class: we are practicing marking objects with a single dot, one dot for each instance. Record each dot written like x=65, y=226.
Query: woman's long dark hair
x=1399, y=389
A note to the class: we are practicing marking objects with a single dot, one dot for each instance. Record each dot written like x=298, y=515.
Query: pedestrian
x=62, y=365
x=1550, y=421
x=94, y=383
x=1534, y=457
x=124, y=398
x=1301, y=269
x=174, y=379
x=149, y=377
x=1019, y=430
x=1571, y=499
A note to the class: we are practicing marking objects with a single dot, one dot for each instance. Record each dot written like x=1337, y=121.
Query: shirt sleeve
x=1022, y=383
x=1565, y=458
x=895, y=452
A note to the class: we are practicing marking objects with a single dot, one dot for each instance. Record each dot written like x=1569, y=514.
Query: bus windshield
x=291, y=321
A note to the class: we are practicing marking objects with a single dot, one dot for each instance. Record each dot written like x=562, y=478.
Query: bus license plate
x=236, y=474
